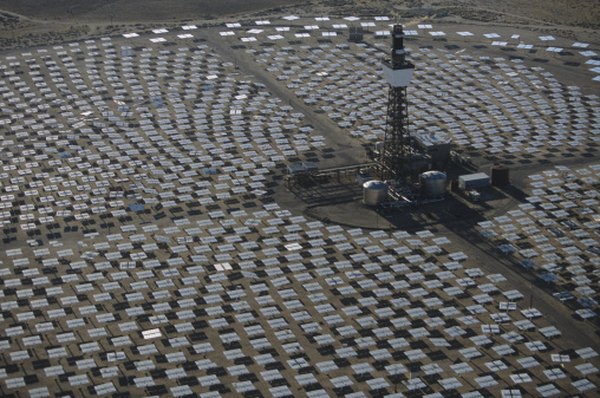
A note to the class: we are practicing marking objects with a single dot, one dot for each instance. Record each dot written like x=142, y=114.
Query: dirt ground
x=136, y=10
x=583, y=13
x=27, y=23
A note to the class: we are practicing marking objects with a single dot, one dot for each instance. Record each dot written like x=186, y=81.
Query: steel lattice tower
x=394, y=157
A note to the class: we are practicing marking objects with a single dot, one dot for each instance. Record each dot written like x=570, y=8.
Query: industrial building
x=436, y=146
x=473, y=181
x=356, y=34
x=500, y=176
x=298, y=168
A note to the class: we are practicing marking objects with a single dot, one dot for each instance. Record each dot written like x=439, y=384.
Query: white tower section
x=397, y=71
x=397, y=77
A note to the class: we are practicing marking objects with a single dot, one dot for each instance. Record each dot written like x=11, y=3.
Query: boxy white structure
x=473, y=181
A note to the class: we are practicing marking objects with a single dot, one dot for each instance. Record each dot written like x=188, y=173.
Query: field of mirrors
x=143, y=252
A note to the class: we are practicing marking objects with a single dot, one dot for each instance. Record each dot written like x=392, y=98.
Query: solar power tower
x=394, y=158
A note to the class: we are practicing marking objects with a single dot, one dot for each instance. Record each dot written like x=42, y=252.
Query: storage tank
x=374, y=192
x=500, y=176
x=433, y=183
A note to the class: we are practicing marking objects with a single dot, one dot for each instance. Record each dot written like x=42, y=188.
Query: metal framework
x=394, y=158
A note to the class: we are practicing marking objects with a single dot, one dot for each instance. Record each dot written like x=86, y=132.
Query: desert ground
x=31, y=22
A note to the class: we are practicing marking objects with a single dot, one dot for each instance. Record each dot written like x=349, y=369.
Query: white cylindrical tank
x=434, y=183
x=374, y=192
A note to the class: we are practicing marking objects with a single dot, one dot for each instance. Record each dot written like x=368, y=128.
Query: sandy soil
x=136, y=10
x=27, y=23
